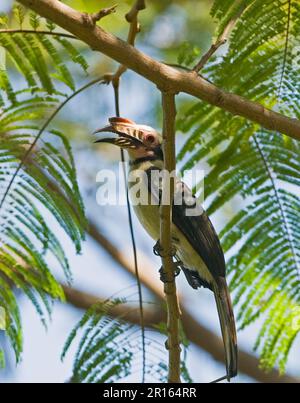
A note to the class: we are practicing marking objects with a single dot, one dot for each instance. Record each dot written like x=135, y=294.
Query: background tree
x=252, y=169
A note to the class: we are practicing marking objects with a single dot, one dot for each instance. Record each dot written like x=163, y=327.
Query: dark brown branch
x=169, y=112
x=84, y=301
x=163, y=76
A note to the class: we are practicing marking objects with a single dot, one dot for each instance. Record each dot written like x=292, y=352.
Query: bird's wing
x=197, y=228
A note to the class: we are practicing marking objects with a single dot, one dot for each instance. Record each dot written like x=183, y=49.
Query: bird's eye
x=150, y=139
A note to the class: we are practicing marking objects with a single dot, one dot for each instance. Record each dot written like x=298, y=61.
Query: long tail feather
x=228, y=328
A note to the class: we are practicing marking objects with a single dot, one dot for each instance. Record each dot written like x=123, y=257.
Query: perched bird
x=194, y=238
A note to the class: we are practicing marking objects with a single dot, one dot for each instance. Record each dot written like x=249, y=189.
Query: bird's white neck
x=144, y=164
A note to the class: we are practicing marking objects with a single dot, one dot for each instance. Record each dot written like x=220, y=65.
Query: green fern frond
x=47, y=181
x=37, y=170
x=37, y=177
x=42, y=59
x=72, y=52
x=110, y=349
x=102, y=356
x=19, y=13
x=34, y=20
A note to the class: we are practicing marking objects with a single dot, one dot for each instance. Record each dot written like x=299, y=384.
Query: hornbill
x=198, y=250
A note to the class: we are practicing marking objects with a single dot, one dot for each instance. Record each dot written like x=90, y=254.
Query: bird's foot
x=159, y=251
x=165, y=278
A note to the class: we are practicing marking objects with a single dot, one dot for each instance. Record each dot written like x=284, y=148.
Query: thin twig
x=138, y=6
x=177, y=66
x=91, y=18
x=95, y=17
x=132, y=18
x=212, y=50
x=37, y=32
x=173, y=344
x=221, y=40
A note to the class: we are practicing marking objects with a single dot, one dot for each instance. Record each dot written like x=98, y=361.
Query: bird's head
x=139, y=140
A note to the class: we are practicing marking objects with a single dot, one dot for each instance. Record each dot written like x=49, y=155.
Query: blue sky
x=5, y=5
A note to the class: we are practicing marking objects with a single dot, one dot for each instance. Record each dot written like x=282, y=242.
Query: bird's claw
x=159, y=251
x=163, y=276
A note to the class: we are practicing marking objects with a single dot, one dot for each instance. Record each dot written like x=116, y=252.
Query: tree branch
x=82, y=300
x=173, y=345
x=139, y=5
x=162, y=75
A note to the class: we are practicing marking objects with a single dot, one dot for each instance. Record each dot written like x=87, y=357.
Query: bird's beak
x=120, y=137
x=107, y=129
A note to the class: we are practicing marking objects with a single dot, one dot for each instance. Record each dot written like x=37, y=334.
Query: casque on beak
x=123, y=131
x=140, y=141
